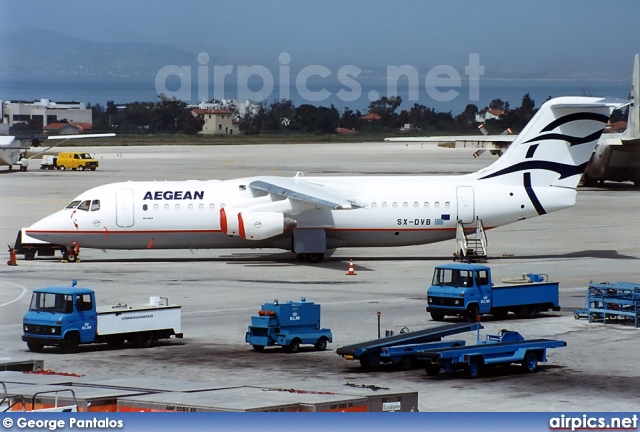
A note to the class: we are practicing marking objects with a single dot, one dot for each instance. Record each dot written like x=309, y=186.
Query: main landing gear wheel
x=315, y=257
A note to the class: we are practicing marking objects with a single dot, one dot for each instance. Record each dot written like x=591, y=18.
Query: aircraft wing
x=64, y=139
x=457, y=138
x=306, y=192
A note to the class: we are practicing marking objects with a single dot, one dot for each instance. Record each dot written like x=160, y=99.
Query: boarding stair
x=471, y=247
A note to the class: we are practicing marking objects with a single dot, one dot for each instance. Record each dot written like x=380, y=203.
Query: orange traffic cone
x=12, y=257
x=351, y=272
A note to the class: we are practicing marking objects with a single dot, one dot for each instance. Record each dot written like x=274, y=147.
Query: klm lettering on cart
x=174, y=195
x=414, y=222
x=294, y=317
x=86, y=326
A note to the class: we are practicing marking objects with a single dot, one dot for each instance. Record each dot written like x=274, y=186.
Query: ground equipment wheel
x=530, y=363
x=433, y=370
x=321, y=345
x=406, y=363
x=294, y=346
x=473, y=369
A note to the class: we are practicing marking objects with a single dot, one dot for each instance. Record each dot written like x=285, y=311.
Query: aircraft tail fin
x=633, y=122
x=555, y=146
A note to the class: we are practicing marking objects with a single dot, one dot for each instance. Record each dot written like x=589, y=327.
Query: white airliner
x=310, y=215
x=616, y=157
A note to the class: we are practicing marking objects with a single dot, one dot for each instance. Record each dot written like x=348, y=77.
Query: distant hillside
x=43, y=52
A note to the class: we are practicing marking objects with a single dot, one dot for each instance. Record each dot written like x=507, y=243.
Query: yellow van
x=75, y=160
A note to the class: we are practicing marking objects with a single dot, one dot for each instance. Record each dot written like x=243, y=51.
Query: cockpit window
x=72, y=205
x=95, y=205
x=85, y=205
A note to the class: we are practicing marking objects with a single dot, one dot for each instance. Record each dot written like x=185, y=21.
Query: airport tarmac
x=220, y=289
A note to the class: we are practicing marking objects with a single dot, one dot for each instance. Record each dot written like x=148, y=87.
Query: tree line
x=283, y=116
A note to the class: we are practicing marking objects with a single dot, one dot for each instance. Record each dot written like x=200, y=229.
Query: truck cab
x=460, y=289
x=60, y=316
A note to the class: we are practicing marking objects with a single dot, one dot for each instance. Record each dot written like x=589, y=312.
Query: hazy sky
x=590, y=37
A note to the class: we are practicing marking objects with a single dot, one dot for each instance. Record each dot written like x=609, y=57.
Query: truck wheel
x=30, y=255
x=70, y=342
x=143, y=339
x=500, y=313
x=258, y=348
x=433, y=370
x=35, y=346
x=321, y=345
x=471, y=314
x=116, y=341
x=294, y=346
x=62, y=167
x=437, y=316
x=473, y=369
x=80, y=167
x=530, y=362
x=93, y=168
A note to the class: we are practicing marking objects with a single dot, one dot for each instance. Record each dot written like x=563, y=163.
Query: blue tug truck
x=288, y=325
x=468, y=290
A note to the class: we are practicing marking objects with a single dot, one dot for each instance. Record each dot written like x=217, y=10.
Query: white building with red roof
x=217, y=121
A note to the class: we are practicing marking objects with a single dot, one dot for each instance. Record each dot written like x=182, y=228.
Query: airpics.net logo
x=257, y=82
x=586, y=422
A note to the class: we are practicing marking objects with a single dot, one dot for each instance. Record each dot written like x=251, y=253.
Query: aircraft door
x=466, y=204
x=124, y=208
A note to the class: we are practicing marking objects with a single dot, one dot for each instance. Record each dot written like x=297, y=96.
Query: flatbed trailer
x=368, y=353
x=402, y=355
x=503, y=349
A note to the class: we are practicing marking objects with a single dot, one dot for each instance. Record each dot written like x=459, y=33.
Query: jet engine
x=254, y=225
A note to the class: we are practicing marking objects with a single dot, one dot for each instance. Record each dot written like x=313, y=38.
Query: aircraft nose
x=51, y=225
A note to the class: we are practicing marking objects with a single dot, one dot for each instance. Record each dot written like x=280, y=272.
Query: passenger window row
x=416, y=205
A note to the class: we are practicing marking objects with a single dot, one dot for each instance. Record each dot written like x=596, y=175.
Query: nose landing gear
x=72, y=253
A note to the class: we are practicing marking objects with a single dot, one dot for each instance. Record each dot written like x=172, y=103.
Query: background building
x=46, y=111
